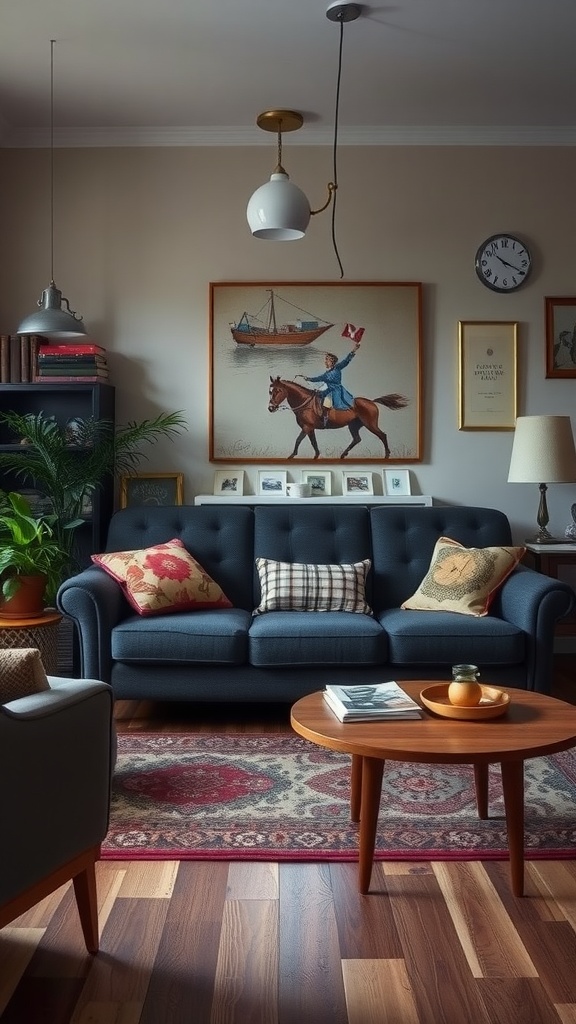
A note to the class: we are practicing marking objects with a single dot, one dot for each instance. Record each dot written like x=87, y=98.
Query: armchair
x=56, y=759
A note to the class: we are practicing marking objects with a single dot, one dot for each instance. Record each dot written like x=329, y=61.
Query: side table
x=40, y=631
x=550, y=559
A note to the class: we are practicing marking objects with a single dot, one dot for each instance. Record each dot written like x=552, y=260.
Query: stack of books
x=83, y=363
x=371, y=703
x=18, y=356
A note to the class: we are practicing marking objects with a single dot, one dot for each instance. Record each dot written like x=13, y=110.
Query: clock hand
x=511, y=265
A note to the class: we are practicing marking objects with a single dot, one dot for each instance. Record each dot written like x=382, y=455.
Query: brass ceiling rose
x=280, y=121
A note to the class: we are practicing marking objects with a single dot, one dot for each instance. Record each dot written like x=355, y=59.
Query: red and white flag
x=353, y=332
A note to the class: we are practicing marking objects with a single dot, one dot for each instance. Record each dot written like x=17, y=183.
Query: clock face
x=503, y=263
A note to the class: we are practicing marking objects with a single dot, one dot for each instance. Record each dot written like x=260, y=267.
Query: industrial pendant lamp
x=53, y=320
x=279, y=211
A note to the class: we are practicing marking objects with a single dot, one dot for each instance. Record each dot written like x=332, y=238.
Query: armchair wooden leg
x=87, y=902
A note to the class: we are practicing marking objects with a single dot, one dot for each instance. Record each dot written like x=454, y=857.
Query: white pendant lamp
x=54, y=319
x=279, y=211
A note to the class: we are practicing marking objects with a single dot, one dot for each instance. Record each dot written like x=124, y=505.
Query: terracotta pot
x=28, y=599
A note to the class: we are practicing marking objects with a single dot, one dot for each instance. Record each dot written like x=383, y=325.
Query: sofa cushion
x=21, y=673
x=214, y=637
x=162, y=578
x=448, y=638
x=298, y=586
x=285, y=639
x=463, y=580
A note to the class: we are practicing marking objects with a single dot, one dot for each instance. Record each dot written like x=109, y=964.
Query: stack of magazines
x=370, y=703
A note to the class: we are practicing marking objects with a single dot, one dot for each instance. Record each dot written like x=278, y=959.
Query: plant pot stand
x=39, y=631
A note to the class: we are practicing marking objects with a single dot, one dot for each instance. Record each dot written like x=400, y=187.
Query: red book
x=82, y=349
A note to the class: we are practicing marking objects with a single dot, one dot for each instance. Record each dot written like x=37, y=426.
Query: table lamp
x=543, y=450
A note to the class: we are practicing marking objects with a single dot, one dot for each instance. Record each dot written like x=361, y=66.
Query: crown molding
x=310, y=135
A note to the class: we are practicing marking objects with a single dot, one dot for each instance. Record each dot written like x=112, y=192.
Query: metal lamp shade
x=278, y=211
x=51, y=320
x=543, y=451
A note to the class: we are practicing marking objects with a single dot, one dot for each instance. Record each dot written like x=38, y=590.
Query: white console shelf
x=333, y=499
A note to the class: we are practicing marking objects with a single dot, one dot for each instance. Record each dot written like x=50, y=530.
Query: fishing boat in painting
x=263, y=328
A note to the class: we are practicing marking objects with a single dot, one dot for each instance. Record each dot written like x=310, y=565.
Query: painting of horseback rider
x=334, y=394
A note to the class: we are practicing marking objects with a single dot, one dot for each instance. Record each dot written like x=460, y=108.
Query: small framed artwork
x=355, y=482
x=320, y=482
x=488, y=374
x=272, y=483
x=560, y=337
x=396, y=482
x=229, y=483
x=151, y=489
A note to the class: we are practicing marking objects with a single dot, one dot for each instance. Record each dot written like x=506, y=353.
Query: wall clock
x=503, y=263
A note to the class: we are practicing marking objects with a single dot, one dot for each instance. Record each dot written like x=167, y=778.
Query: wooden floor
x=215, y=943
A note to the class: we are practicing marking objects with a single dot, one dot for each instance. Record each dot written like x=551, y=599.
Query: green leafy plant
x=28, y=546
x=67, y=464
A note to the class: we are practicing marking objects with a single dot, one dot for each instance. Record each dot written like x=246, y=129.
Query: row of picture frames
x=314, y=483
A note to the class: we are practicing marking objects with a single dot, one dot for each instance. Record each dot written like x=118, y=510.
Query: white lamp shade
x=543, y=451
x=278, y=211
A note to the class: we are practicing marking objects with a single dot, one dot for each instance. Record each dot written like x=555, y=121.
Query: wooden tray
x=494, y=702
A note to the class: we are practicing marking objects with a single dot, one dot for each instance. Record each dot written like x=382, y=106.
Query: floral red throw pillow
x=163, y=578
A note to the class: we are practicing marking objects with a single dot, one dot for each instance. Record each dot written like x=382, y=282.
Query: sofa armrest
x=95, y=603
x=535, y=602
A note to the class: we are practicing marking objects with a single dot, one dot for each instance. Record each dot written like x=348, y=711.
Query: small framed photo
x=151, y=489
x=320, y=482
x=396, y=481
x=229, y=482
x=355, y=482
x=272, y=483
x=560, y=337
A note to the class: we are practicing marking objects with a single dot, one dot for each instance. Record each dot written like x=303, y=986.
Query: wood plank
x=522, y=999
x=17, y=947
x=365, y=924
x=566, y=1012
x=310, y=980
x=151, y=880
x=559, y=877
x=252, y=880
x=487, y=936
x=246, y=981
x=378, y=992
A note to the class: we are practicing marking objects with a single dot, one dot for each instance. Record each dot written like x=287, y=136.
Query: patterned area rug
x=278, y=797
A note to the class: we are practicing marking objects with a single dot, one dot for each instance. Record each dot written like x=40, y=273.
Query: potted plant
x=31, y=558
x=67, y=464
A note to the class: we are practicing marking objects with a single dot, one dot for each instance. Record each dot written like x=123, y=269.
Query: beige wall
x=140, y=233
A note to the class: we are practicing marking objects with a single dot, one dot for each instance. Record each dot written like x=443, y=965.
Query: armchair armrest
x=535, y=603
x=95, y=603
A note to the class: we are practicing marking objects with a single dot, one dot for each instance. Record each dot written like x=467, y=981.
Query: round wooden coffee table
x=533, y=725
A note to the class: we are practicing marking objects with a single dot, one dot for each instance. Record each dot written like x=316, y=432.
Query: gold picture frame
x=151, y=489
x=379, y=322
x=488, y=374
x=560, y=337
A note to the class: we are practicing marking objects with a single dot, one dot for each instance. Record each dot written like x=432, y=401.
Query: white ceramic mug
x=299, y=490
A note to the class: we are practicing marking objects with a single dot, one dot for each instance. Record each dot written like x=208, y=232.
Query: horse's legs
x=313, y=442
x=369, y=419
x=354, y=429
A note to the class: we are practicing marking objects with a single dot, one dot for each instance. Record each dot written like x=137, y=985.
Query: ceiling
x=182, y=72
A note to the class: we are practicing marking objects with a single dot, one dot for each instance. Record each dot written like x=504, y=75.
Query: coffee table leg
x=481, y=784
x=355, y=787
x=513, y=787
x=372, y=769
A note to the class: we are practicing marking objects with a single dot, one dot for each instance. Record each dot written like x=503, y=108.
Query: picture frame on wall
x=151, y=489
x=488, y=374
x=229, y=482
x=270, y=385
x=320, y=481
x=560, y=317
x=396, y=482
x=272, y=483
x=354, y=481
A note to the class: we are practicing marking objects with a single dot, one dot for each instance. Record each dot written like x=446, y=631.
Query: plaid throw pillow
x=298, y=587
x=463, y=580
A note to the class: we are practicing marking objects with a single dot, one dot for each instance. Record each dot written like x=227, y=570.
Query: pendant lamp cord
x=335, y=151
x=52, y=41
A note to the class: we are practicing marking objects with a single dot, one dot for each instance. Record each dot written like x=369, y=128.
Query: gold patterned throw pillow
x=163, y=578
x=21, y=673
x=463, y=580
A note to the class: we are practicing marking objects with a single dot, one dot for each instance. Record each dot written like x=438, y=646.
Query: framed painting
x=560, y=337
x=488, y=374
x=356, y=482
x=315, y=370
x=151, y=489
x=229, y=482
x=272, y=483
x=396, y=482
x=320, y=481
